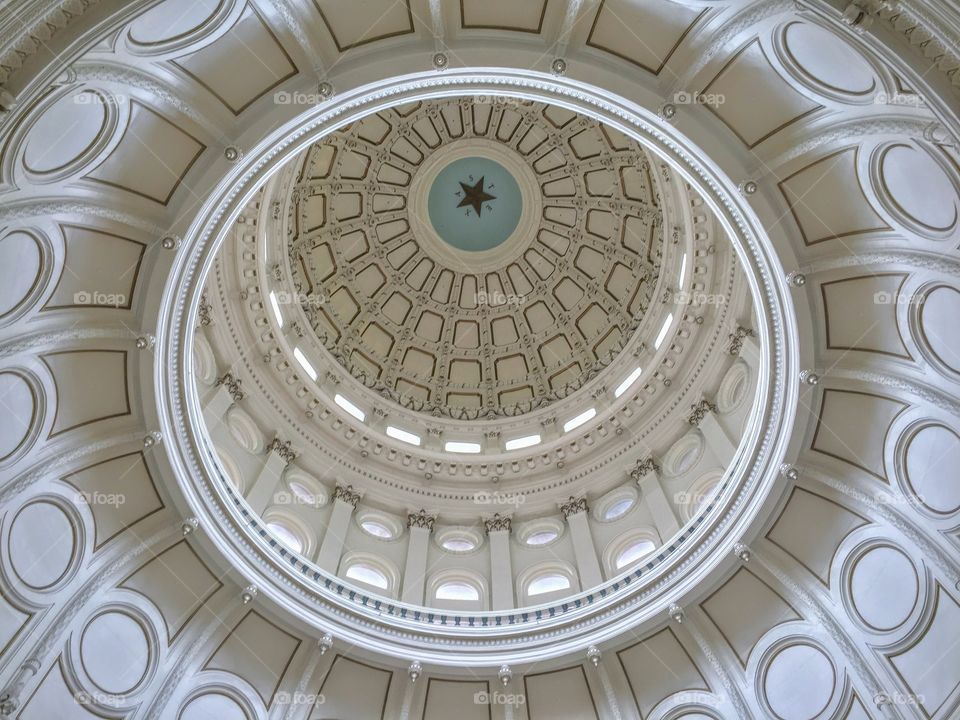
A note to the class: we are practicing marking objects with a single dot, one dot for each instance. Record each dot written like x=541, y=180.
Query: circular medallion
x=474, y=204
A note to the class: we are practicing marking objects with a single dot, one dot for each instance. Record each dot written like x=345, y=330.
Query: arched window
x=286, y=534
x=700, y=494
x=548, y=583
x=633, y=552
x=457, y=589
x=371, y=571
x=454, y=590
x=367, y=574
x=629, y=549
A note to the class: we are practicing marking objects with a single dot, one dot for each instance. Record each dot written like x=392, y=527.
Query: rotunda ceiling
x=211, y=505
x=475, y=258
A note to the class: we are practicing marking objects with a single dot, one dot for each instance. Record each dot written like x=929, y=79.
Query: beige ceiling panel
x=466, y=334
x=353, y=690
x=827, y=199
x=100, y=270
x=643, y=32
x=419, y=363
x=313, y=212
x=810, y=529
x=360, y=22
x=120, y=492
x=860, y=313
x=153, y=156
x=353, y=245
x=753, y=99
x=460, y=699
x=658, y=667
x=430, y=326
x=258, y=651
x=744, y=609
x=53, y=698
x=243, y=65
x=841, y=432
x=560, y=695
x=526, y=16
x=177, y=582
x=91, y=386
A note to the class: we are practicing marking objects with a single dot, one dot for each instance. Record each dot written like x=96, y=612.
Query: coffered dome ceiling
x=479, y=359
x=468, y=333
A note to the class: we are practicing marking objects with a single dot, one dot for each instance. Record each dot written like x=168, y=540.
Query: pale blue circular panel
x=474, y=204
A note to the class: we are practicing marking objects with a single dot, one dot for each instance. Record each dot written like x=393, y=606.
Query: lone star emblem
x=474, y=196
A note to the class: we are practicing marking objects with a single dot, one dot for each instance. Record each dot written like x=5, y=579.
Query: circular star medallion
x=474, y=204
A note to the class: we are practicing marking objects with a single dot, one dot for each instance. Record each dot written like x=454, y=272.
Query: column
x=501, y=572
x=750, y=352
x=646, y=473
x=344, y=503
x=716, y=437
x=575, y=512
x=217, y=403
x=420, y=526
x=261, y=493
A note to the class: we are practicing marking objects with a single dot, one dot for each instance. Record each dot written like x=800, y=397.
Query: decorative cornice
x=31, y=28
x=233, y=386
x=346, y=494
x=644, y=467
x=573, y=506
x=699, y=411
x=737, y=337
x=497, y=523
x=421, y=519
x=282, y=449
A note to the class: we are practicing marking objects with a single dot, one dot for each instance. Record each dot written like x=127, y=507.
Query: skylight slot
x=305, y=364
x=683, y=269
x=457, y=446
x=579, y=420
x=403, y=436
x=663, y=331
x=349, y=407
x=628, y=381
x=276, y=308
x=522, y=442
